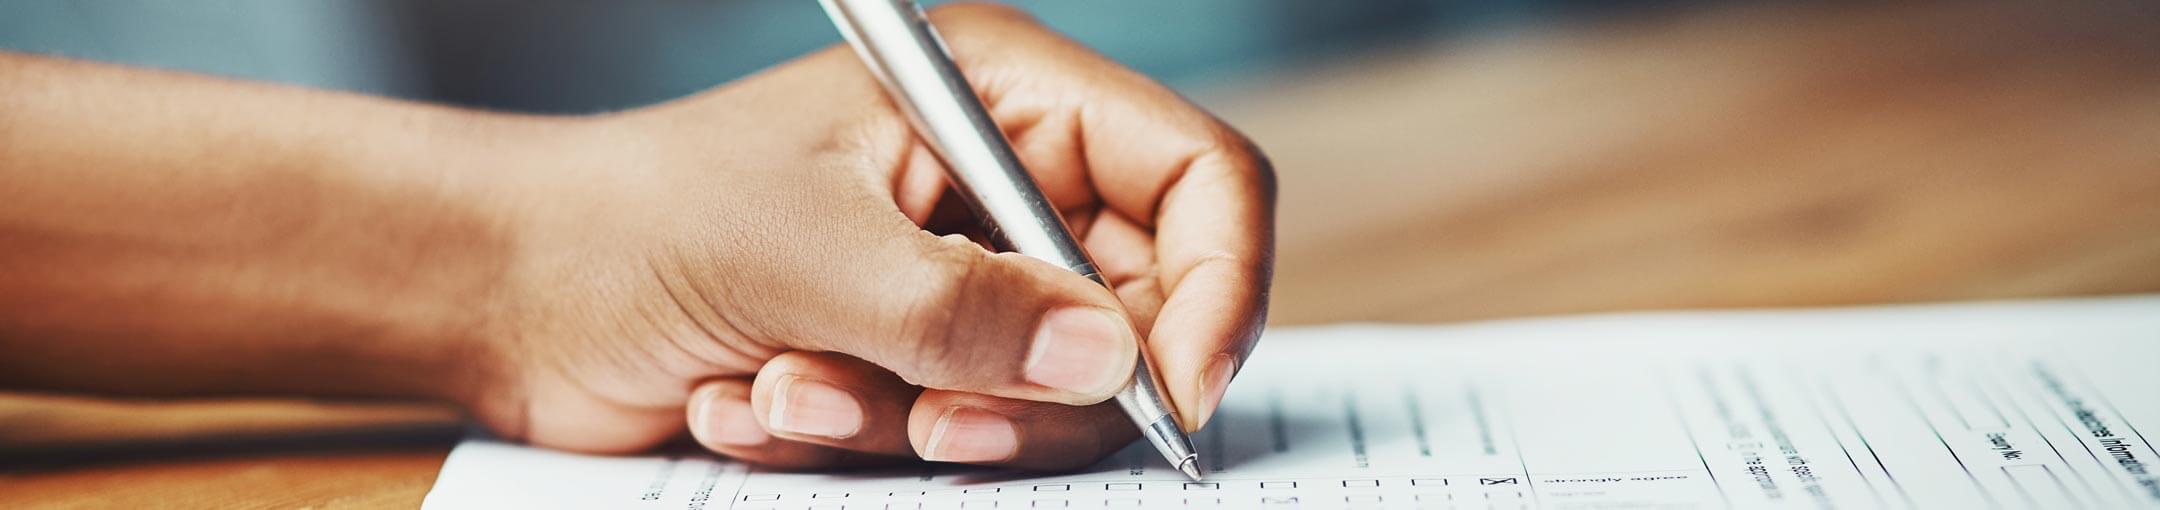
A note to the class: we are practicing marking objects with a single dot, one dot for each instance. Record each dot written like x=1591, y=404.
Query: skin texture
x=608, y=283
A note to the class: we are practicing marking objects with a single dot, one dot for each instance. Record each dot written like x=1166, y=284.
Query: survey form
x=1994, y=405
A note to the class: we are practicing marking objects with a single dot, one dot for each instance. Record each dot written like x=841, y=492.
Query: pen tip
x=1190, y=466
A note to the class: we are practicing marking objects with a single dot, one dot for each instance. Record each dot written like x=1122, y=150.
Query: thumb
x=942, y=312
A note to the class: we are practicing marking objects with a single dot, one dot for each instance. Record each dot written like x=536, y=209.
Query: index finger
x=1151, y=159
x=1208, y=196
x=1215, y=249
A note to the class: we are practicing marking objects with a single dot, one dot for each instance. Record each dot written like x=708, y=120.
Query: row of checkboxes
x=1134, y=486
x=1135, y=502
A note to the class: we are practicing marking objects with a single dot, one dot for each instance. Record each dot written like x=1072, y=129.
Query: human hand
x=759, y=261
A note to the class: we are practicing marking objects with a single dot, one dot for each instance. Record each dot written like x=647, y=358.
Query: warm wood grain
x=373, y=479
x=1761, y=156
x=1735, y=156
x=62, y=452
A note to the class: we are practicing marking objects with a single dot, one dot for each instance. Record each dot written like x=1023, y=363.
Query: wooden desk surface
x=1768, y=155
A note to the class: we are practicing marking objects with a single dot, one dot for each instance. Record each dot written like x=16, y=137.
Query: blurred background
x=1439, y=160
x=584, y=56
x=1505, y=157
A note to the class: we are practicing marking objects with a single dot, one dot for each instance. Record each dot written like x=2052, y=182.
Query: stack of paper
x=1998, y=405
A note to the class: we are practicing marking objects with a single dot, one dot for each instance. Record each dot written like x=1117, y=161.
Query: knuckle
x=1263, y=172
x=1247, y=158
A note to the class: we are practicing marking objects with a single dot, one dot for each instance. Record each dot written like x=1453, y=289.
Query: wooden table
x=1764, y=155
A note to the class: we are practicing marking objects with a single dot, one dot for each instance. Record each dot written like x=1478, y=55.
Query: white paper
x=2004, y=405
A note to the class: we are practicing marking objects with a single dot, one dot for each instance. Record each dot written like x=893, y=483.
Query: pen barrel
x=912, y=63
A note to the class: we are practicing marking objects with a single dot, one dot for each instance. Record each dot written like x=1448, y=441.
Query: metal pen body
x=912, y=63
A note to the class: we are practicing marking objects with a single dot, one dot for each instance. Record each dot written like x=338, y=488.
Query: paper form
x=1998, y=405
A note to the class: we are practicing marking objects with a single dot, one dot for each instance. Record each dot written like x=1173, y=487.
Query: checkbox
x=978, y=503
x=904, y=506
x=1202, y=486
x=1429, y=482
x=829, y=495
x=1279, y=500
x=1049, y=503
x=1362, y=498
x=1122, y=503
x=1278, y=485
x=828, y=506
x=1361, y=483
x=761, y=497
x=1121, y=487
x=1203, y=501
x=982, y=490
x=907, y=494
x=1053, y=487
x=1434, y=498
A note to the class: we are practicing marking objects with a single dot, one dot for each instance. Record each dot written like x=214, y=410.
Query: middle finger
x=834, y=400
x=973, y=428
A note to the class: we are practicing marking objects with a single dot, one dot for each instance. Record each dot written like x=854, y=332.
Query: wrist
x=480, y=185
x=553, y=190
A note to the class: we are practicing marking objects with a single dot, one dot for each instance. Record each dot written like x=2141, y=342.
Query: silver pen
x=900, y=47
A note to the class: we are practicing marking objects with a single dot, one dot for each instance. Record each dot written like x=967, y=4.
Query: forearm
x=168, y=234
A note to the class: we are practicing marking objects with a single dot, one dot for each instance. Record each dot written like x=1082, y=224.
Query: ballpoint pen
x=908, y=58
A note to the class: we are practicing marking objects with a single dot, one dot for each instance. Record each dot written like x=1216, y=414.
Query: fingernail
x=728, y=421
x=1213, y=382
x=803, y=406
x=968, y=435
x=1079, y=349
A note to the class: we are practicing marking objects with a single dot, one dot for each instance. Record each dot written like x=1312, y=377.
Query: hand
x=760, y=262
